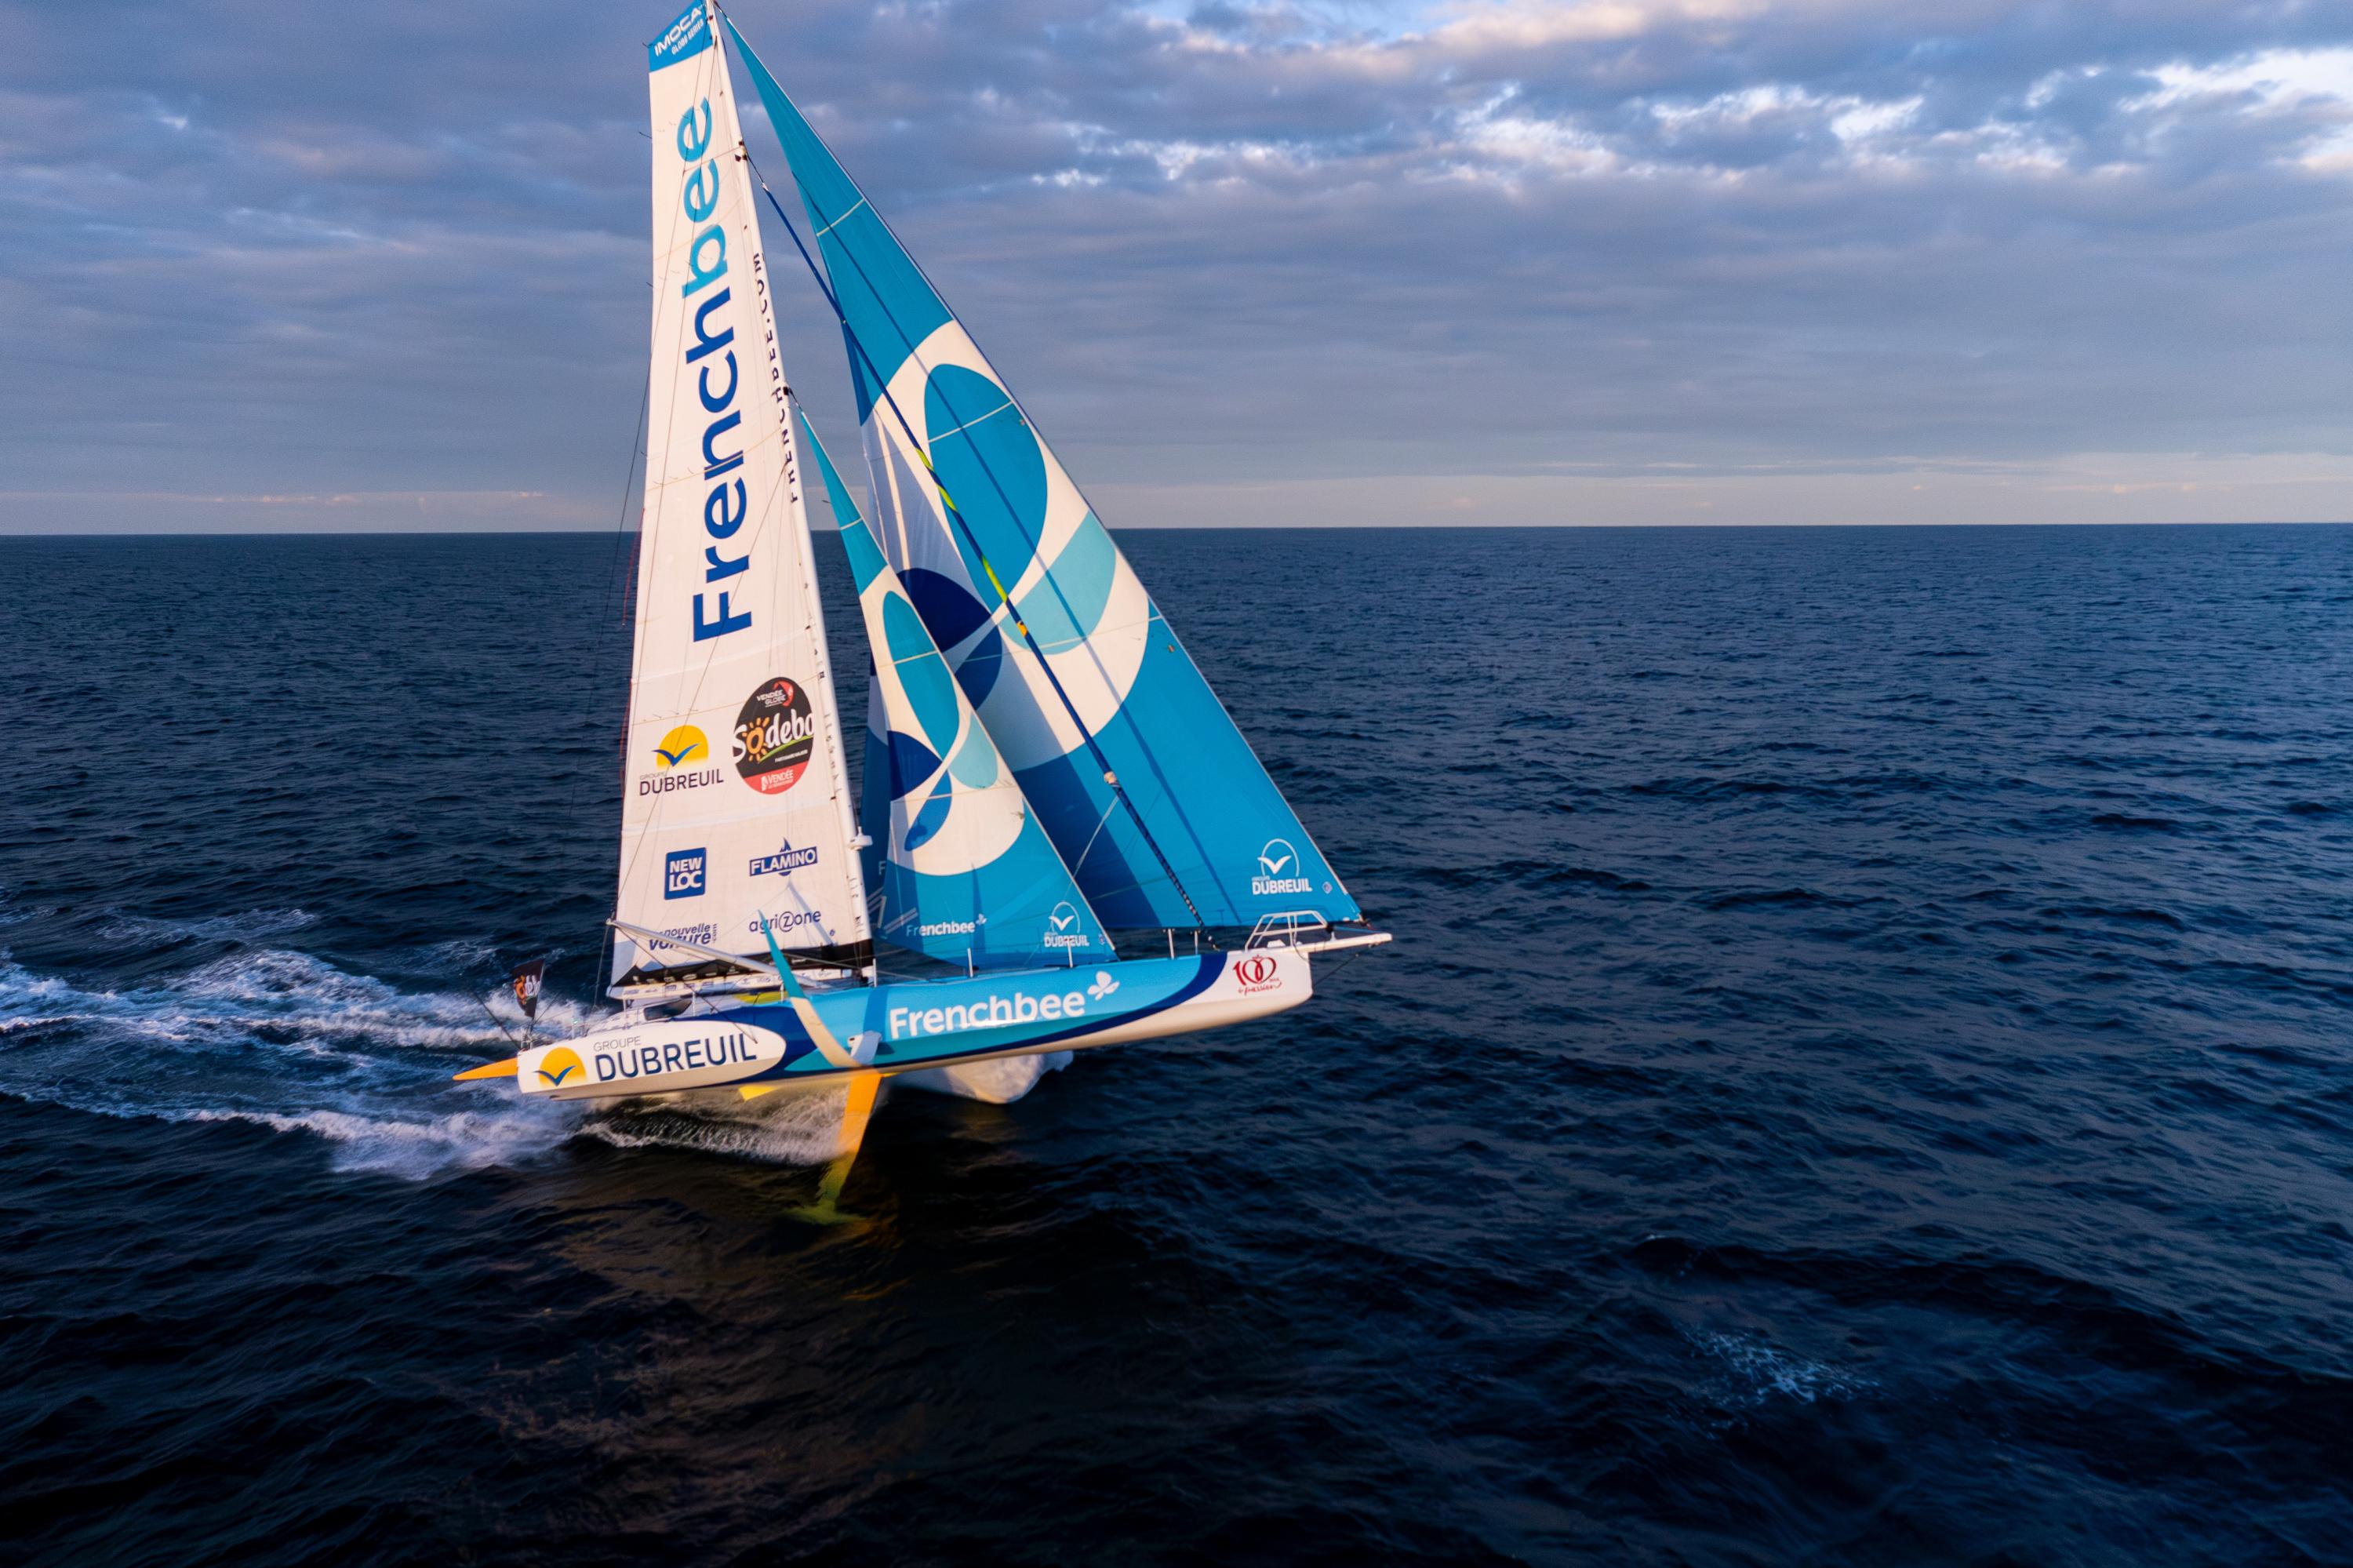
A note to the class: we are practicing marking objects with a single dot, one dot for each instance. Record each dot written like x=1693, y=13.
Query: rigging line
x=616, y=583
x=1175, y=644
x=1094, y=749
x=502, y=1027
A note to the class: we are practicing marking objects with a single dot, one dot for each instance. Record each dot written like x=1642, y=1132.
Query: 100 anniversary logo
x=775, y=735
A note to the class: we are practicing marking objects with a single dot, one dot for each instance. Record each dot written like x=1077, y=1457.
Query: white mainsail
x=737, y=805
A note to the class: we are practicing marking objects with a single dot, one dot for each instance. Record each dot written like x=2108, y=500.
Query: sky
x=1604, y=261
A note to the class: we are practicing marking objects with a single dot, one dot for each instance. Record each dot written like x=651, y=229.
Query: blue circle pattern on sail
x=945, y=830
x=964, y=869
x=1084, y=608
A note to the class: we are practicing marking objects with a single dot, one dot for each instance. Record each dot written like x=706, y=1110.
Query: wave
x=287, y=1041
x=1756, y=1371
x=790, y=1129
x=253, y=925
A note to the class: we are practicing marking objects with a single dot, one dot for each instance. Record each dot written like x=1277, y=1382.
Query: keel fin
x=856, y=1112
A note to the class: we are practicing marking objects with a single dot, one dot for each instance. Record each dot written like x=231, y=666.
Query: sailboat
x=1058, y=820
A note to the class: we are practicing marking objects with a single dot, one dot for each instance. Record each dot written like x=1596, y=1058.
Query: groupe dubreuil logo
x=675, y=759
x=559, y=1064
x=1062, y=928
x=1278, y=870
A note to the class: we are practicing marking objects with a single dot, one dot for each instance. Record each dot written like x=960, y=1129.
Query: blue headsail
x=1072, y=670
x=964, y=871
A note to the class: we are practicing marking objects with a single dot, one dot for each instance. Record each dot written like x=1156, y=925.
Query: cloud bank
x=1631, y=260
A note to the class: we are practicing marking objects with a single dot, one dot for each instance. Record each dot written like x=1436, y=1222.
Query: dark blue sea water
x=1862, y=1079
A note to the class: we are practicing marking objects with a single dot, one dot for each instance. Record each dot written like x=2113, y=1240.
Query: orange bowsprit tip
x=505, y=1069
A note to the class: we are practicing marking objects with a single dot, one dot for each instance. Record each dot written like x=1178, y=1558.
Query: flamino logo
x=555, y=1068
x=681, y=747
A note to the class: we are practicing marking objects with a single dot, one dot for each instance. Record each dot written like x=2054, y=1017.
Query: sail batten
x=1137, y=774
x=737, y=815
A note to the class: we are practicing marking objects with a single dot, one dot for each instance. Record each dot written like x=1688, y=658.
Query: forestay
x=736, y=802
x=1072, y=670
x=964, y=871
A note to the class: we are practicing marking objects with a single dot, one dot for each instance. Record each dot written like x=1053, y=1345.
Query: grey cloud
x=400, y=248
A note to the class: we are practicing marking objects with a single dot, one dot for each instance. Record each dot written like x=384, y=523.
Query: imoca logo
x=556, y=1068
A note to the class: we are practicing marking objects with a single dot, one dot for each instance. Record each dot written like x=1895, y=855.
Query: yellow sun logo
x=556, y=1068
x=683, y=746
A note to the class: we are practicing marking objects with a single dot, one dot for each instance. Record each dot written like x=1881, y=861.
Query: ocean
x=1861, y=1078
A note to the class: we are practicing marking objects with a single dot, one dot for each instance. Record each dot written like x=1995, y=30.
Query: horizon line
x=1461, y=526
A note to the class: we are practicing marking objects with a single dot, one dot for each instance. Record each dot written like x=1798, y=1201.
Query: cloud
x=285, y=250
